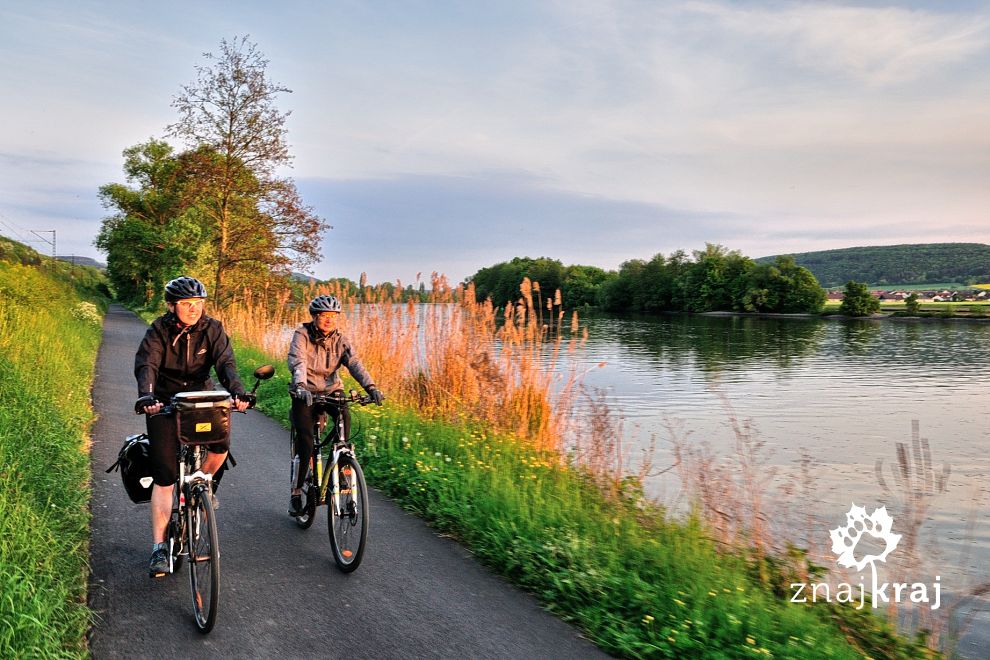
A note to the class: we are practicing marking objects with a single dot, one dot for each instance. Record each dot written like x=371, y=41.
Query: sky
x=448, y=136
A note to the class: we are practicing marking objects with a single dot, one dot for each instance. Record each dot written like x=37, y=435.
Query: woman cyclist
x=316, y=353
x=175, y=356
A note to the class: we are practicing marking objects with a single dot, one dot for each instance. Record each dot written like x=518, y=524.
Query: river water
x=843, y=392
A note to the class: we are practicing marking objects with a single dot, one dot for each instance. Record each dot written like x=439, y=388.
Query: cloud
x=399, y=226
x=877, y=46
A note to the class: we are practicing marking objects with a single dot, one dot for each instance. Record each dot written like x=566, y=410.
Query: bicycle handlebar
x=338, y=398
x=170, y=407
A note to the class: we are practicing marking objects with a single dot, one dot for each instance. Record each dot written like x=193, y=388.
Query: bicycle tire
x=348, y=530
x=310, y=493
x=204, y=558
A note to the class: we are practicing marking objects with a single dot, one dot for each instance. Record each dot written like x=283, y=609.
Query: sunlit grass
x=48, y=343
x=563, y=525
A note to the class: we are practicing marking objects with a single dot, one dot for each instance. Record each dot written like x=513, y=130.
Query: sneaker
x=159, y=563
x=295, y=506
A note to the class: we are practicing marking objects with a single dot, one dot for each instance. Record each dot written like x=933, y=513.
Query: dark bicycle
x=191, y=533
x=338, y=483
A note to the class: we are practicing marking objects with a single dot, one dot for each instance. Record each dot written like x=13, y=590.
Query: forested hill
x=966, y=263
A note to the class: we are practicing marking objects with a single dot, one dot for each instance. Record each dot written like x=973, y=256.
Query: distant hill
x=82, y=261
x=966, y=263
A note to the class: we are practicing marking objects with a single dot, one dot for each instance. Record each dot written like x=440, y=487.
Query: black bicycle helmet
x=184, y=287
x=324, y=304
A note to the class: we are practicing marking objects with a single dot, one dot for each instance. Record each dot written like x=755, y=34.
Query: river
x=845, y=392
x=842, y=393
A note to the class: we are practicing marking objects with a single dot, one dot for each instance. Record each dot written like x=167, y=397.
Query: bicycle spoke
x=204, y=560
x=347, y=517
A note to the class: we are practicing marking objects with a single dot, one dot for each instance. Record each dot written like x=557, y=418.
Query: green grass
x=636, y=583
x=934, y=309
x=49, y=337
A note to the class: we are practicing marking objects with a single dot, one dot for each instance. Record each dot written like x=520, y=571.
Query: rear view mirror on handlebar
x=264, y=372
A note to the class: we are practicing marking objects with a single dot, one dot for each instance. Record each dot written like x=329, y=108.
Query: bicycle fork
x=333, y=483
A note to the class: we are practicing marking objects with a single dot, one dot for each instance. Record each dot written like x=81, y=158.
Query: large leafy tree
x=256, y=220
x=715, y=281
x=782, y=287
x=154, y=228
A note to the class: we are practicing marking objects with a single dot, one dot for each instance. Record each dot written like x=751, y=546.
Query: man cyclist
x=316, y=352
x=175, y=356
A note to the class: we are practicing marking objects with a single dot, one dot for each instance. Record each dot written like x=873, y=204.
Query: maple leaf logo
x=879, y=525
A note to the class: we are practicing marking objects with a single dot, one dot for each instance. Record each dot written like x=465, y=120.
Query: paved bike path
x=416, y=595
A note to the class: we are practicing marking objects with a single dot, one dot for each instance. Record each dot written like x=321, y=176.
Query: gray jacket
x=314, y=361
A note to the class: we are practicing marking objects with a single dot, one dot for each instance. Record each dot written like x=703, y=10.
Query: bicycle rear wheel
x=310, y=495
x=349, y=523
x=204, y=558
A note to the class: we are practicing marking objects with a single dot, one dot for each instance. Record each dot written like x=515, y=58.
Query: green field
x=45, y=377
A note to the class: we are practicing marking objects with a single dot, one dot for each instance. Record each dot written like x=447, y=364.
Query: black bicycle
x=338, y=483
x=191, y=534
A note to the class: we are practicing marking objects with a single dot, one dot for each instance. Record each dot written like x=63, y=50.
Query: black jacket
x=173, y=358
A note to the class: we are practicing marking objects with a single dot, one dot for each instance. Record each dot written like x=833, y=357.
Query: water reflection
x=846, y=391
x=712, y=344
x=860, y=337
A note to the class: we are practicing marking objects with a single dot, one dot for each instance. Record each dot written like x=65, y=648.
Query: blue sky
x=450, y=135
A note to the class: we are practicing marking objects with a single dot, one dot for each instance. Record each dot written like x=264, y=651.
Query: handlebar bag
x=202, y=418
x=134, y=461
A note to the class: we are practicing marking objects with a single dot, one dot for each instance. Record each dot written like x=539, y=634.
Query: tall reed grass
x=49, y=337
x=481, y=436
x=451, y=359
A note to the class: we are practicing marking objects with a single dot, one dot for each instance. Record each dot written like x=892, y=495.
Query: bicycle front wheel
x=347, y=515
x=204, y=558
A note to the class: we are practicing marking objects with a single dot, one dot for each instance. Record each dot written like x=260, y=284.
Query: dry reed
x=451, y=358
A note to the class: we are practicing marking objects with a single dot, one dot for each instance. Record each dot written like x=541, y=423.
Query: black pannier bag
x=134, y=461
x=202, y=418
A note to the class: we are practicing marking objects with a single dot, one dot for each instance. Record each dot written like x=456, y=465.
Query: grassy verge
x=636, y=583
x=49, y=336
x=966, y=309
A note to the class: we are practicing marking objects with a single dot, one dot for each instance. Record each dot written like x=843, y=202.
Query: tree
x=153, y=232
x=911, y=305
x=716, y=280
x=858, y=301
x=237, y=136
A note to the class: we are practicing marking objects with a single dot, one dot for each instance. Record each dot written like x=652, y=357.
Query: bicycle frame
x=328, y=478
x=190, y=460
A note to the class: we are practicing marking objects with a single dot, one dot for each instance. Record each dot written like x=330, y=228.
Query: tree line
x=216, y=210
x=966, y=263
x=713, y=279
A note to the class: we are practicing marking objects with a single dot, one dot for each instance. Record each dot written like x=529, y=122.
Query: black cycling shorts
x=164, y=437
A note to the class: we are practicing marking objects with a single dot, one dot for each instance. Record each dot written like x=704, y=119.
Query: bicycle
x=341, y=477
x=191, y=533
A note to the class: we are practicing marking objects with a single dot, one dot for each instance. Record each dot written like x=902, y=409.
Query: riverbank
x=890, y=316
x=49, y=337
x=637, y=583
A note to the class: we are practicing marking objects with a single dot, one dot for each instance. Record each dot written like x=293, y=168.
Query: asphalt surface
x=416, y=595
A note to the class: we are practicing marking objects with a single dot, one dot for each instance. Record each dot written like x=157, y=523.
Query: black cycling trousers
x=164, y=446
x=302, y=422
